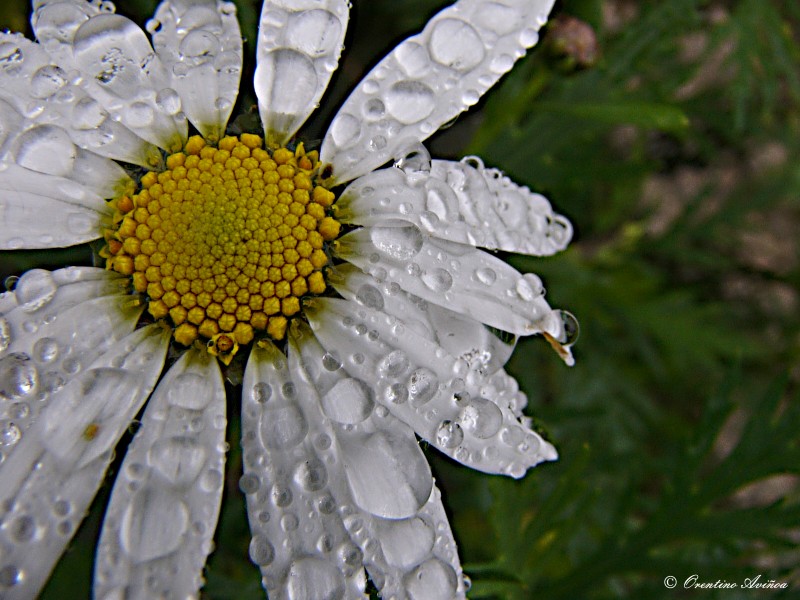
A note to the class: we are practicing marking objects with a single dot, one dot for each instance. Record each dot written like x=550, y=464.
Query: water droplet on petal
x=46, y=149
x=407, y=542
x=190, y=390
x=410, y=101
x=486, y=275
x=47, y=81
x=370, y=296
x=315, y=32
x=18, y=376
x=529, y=287
x=572, y=328
x=422, y=385
x=262, y=552
x=432, y=580
x=393, y=364
x=35, y=289
x=349, y=401
x=438, y=280
x=10, y=433
x=387, y=473
x=449, y=434
x=282, y=426
x=178, y=459
x=455, y=43
x=10, y=576
x=401, y=242
x=45, y=350
x=481, y=418
x=314, y=578
x=153, y=524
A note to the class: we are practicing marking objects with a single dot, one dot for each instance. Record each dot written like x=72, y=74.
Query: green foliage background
x=675, y=155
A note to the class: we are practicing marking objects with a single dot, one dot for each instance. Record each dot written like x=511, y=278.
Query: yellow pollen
x=226, y=241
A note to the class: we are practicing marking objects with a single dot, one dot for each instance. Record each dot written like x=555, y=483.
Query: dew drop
x=449, y=434
x=401, y=242
x=486, y=275
x=412, y=58
x=314, y=32
x=370, y=296
x=46, y=149
x=422, y=385
x=10, y=433
x=393, y=364
x=35, y=289
x=437, y=280
x=529, y=287
x=262, y=392
x=45, y=350
x=481, y=418
x=410, y=101
x=168, y=101
x=47, y=81
x=432, y=580
x=455, y=43
x=249, y=483
x=345, y=130
x=261, y=551
x=349, y=401
x=10, y=576
x=18, y=376
x=311, y=475
x=153, y=524
x=282, y=426
x=191, y=391
x=179, y=459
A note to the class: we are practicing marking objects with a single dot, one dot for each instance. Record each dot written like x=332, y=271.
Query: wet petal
x=463, y=337
x=466, y=280
x=436, y=394
x=50, y=346
x=290, y=465
x=163, y=511
x=396, y=551
x=428, y=80
x=459, y=201
x=299, y=44
x=33, y=83
x=50, y=481
x=122, y=72
x=200, y=45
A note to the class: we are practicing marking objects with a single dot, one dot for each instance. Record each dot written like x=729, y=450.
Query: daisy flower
x=356, y=293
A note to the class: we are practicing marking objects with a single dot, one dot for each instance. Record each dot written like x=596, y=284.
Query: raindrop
x=46, y=149
x=289, y=522
x=449, y=434
x=282, y=496
x=571, y=328
x=529, y=287
x=139, y=114
x=153, y=524
x=393, y=364
x=455, y=43
x=10, y=434
x=438, y=280
x=313, y=32
x=486, y=275
x=261, y=551
x=412, y=58
x=345, y=130
x=311, y=475
x=249, y=483
x=47, y=81
x=22, y=529
x=262, y=392
x=10, y=576
x=528, y=37
x=406, y=543
x=396, y=393
x=282, y=427
x=432, y=580
x=191, y=391
x=45, y=350
x=374, y=109
x=370, y=297
x=178, y=459
x=211, y=480
x=87, y=114
x=330, y=363
x=401, y=242
x=314, y=578
x=387, y=473
x=199, y=47
x=481, y=418
x=18, y=376
x=422, y=385
x=349, y=401
x=410, y=101
x=168, y=101
x=414, y=160
x=35, y=289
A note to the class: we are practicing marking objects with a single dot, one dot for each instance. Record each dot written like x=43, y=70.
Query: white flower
x=220, y=242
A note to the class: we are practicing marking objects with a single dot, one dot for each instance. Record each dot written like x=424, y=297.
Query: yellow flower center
x=225, y=241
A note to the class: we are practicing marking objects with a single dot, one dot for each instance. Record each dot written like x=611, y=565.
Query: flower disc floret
x=226, y=240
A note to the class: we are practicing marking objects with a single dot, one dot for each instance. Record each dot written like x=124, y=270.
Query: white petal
x=200, y=45
x=50, y=346
x=299, y=44
x=122, y=72
x=48, y=483
x=163, y=511
x=293, y=484
x=33, y=221
x=459, y=201
x=41, y=90
x=466, y=280
x=428, y=80
x=396, y=551
x=461, y=336
x=436, y=394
